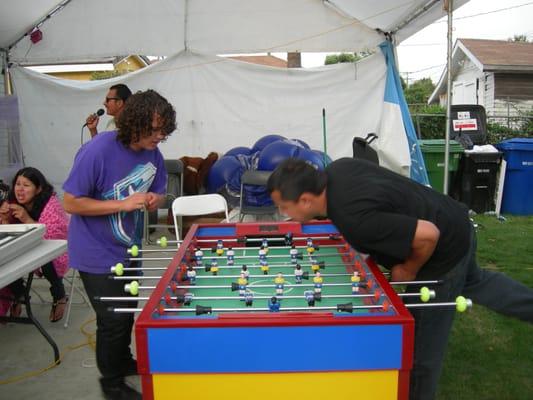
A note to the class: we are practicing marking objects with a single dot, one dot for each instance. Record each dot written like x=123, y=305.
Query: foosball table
x=271, y=310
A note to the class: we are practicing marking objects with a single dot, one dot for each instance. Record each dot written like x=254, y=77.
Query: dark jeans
x=57, y=289
x=113, y=330
x=491, y=289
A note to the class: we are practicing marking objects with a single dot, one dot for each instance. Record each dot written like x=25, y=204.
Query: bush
x=429, y=121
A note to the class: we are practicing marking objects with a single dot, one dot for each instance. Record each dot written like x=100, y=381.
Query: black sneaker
x=120, y=391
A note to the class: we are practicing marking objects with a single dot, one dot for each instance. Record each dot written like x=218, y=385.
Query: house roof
x=268, y=60
x=497, y=54
x=488, y=56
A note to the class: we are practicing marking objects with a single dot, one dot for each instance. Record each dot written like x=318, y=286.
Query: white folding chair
x=201, y=204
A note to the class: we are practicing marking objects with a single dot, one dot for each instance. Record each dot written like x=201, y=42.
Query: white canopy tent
x=220, y=103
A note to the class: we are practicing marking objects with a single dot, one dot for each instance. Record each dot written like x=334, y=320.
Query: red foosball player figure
x=273, y=304
x=191, y=275
x=280, y=283
x=356, y=279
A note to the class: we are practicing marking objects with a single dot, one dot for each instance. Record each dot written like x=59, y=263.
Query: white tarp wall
x=220, y=103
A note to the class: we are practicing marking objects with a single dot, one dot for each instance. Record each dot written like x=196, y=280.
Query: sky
x=423, y=55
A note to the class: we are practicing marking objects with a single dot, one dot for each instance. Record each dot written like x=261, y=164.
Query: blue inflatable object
x=223, y=171
x=321, y=155
x=239, y=150
x=301, y=142
x=265, y=141
x=276, y=152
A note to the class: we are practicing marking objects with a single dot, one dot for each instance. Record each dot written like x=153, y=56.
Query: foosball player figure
x=220, y=248
x=214, y=267
x=273, y=304
x=318, y=280
x=264, y=244
x=298, y=272
x=280, y=283
x=231, y=256
x=356, y=281
x=294, y=254
x=262, y=253
x=264, y=266
x=191, y=275
x=310, y=247
x=315, y=266
x=310, y=297
x=245, y=272
x=198, y=255
x=248, y=299
x=242, y=281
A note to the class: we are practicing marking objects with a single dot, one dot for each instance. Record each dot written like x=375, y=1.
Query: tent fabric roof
x=88, y=30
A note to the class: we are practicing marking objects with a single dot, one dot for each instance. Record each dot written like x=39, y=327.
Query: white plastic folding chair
x=201, y=204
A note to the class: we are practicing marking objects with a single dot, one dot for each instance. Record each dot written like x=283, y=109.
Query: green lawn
x=490, y=356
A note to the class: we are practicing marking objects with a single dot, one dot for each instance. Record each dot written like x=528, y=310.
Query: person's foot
x=58, y=309
x=120, y=391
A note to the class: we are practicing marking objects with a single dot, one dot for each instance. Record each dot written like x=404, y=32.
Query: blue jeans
x=491, y=289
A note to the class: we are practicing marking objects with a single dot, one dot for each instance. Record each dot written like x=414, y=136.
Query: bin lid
x=524, y=144
x=438, y=145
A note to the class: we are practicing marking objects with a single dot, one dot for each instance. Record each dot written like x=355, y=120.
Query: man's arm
x=422, y=247
x=89, y=207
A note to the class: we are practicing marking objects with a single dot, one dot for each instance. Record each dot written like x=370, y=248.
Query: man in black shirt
x=412, y=230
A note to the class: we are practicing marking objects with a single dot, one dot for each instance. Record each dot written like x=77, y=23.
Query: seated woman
x=32, y=200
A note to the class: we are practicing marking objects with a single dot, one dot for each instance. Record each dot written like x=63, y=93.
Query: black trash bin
x=475, y=181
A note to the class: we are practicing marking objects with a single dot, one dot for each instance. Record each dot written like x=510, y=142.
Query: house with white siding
x=496, y=74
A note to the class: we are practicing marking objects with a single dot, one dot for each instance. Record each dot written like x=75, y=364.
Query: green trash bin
x=433, y=152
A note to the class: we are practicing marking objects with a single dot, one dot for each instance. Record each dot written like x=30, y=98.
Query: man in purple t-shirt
x=114, y=178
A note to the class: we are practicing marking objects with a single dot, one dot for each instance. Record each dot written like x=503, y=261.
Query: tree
x=346, y=57
x=419, y=91
x=518, y=38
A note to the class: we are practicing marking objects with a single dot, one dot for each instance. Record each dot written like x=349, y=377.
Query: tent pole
x=7, y=79
x=448, y=4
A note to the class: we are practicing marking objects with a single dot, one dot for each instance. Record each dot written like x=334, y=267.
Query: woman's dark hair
x=293, y=177
x=135, y=120
x=40, y=182
x=123, y=92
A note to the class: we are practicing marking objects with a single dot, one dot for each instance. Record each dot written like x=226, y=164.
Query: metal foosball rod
x=255, y=256
x=288, y=238
x=461, y=304
x=424, y=294
x=134, y=287
x=199, y=277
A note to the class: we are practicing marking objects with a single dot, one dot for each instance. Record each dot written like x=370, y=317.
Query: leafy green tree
x=419, y=91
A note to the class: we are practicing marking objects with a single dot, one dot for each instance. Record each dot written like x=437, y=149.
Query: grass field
x=490, y=357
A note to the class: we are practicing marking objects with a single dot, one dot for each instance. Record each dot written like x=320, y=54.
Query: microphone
x=98, y=113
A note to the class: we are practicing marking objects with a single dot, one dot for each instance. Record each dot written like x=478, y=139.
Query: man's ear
x=306, y=199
